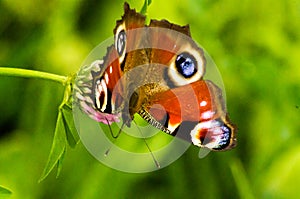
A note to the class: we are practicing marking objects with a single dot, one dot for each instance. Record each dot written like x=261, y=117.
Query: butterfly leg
x=149, y=149
x=114, y=136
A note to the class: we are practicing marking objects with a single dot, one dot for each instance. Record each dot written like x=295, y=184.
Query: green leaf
x=145, y=7
x=60, y=163
x=71, y=131
x=58, y=147
x=4, y=191
x=65, y=132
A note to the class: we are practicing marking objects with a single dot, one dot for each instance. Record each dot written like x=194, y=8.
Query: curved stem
x=18, y=72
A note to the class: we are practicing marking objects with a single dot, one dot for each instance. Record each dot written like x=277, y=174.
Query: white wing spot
x=203, y=103
x=172, y=127
x=207, y=114
x=106, y=78
x=98, y=91
x=104, y=87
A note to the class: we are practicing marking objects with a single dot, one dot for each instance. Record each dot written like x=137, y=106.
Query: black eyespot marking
x=186, y=64
x=225, y=137
x=121, y=42
x=99, y=97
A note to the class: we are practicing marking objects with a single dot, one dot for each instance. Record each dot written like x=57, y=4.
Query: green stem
x=18, y=72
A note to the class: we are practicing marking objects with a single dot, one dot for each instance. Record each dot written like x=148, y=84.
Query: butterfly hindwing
x=197, y=110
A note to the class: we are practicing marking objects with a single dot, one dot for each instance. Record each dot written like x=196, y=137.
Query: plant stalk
x=18, y=72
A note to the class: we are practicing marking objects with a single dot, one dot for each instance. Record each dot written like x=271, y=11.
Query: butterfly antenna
x=114, y=136
x=149, y=149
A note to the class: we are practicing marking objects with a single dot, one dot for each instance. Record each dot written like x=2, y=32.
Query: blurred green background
x=254, y=43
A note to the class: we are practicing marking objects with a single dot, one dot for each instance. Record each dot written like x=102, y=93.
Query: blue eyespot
x=186, y=64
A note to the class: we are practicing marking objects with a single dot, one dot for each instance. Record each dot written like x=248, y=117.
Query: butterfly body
x=157, y=71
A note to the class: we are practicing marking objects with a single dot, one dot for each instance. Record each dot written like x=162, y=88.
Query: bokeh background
x=254, y=43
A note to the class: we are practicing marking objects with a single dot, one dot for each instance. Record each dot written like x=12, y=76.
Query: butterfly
x=156, y=71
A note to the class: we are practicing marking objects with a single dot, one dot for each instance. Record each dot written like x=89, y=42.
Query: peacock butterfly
x=156, y=71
